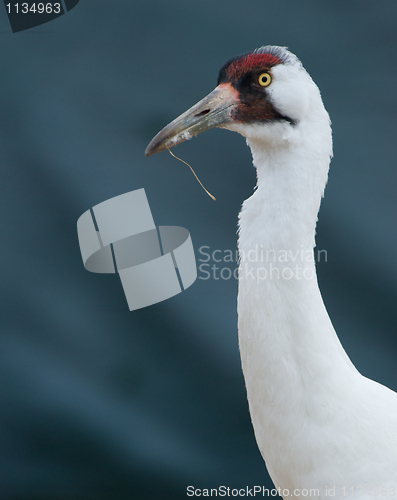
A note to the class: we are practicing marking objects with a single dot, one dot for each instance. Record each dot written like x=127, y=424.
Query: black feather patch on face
x=243, y=73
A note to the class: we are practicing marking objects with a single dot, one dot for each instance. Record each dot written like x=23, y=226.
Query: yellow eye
x=265, y=79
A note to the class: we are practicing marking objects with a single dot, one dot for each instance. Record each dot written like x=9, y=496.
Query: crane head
x=255, y=91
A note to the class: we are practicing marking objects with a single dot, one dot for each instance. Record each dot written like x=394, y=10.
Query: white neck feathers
x=290, y=353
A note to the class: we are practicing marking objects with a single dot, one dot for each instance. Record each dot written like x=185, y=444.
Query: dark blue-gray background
x=101, y=403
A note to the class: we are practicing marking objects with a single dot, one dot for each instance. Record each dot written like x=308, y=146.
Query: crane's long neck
x=291, y=356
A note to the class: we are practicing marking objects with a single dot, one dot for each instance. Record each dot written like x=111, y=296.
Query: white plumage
x=323, y=429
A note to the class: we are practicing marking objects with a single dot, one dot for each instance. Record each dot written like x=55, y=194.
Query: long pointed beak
x=212, y=111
